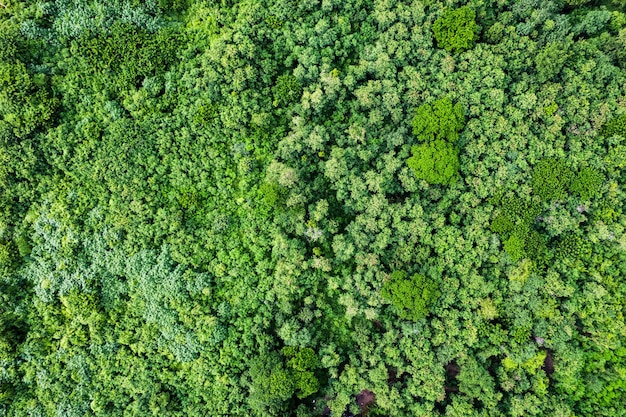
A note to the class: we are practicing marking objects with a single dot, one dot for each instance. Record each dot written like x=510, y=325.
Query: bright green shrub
x=281, y=385
x=25, y=101
x=551, y=179
x=128, y=53
x=615, y=126
x=23, y=245
x=437, y=162
x=438, y=124
x=514, y=224
x=173, y=5
x=456, y=30
x=9, y=45
x=618, y=20
x=411, y=296
x=273, y=22
x=7, y=255
x=300, y=359
x=587, y=183
x=439, y=120
x=306, y=384
x=606, y=211
x=523, y=211
x=606, y=385
x=271, y=385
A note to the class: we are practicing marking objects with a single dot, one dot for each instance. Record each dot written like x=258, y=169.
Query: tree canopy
x=312, y=208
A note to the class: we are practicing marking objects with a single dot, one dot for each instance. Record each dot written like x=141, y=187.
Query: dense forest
x=312, y=208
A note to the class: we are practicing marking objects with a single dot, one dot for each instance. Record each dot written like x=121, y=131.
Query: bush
x=206, y=113
x=273, y=22
x=412, y=297
x=456, y=30
x=502, y=224
x=521, y=210
x=7, y=255
x=173, y=5
x=439, y=120
x=536, y=247
x=128, y=53
x=436, y=162
x=9, y=45
x=300, y=359
x=25, y=102
x=514, y=224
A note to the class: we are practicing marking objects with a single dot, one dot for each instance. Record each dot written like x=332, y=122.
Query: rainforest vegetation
x=298, y=208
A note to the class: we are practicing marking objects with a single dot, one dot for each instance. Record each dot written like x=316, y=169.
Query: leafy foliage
x=26, y=100
x=437, y=162
x=587, y=183
x=456, y=29
x=551, y=179
x=201, y=202
x=550, y=60
x=302, y=363
x=127, y=54
x=412, y=296
x=440, y=120
x=287, y=89
x=615, y=126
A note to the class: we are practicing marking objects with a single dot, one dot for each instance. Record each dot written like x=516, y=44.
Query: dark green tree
x=615, y=126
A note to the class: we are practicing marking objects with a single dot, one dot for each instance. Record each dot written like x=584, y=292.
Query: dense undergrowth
x=312, y=208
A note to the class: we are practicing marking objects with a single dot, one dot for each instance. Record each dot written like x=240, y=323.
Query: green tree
x=550, y=60
x=587, y=183
x=412, y=297
x=302, y=362
x=286, y=90
x=615, y=126
x=456, y=30
x=437, y=162
x=440, y=120
x=551, y=179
